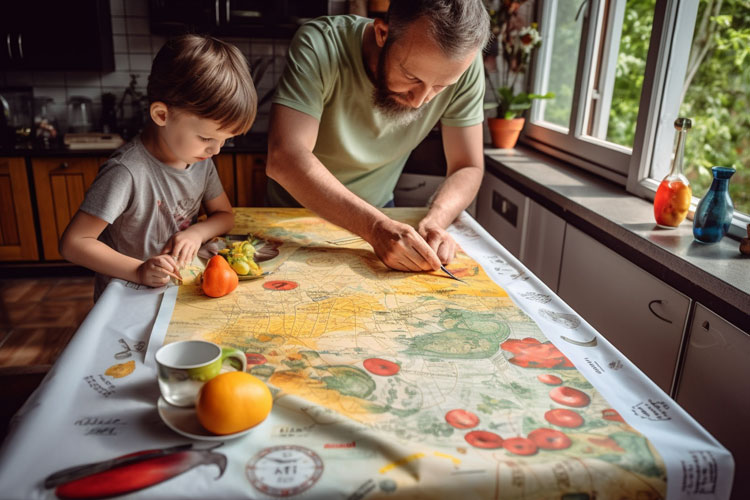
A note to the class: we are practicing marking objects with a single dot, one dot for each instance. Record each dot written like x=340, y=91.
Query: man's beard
x=384, y=99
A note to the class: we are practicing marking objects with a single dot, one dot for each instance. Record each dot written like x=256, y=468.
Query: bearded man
x=357, y=96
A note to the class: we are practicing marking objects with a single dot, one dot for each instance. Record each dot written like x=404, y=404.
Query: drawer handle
x=413, y=188
x=651, y=308
x=64, y=165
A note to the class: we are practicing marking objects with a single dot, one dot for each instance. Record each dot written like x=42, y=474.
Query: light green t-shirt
x=325, y=78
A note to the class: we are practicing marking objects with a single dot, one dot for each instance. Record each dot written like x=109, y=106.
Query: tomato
x=219, y=278
x=550, y=439
x=484, y=439
x=255, y=358
x=563, y=417
x=282, y=285
x=569, y=397
x=549, y=379
x=520, y=446
x=462, y=419
x=382, y=367
x=612, y=415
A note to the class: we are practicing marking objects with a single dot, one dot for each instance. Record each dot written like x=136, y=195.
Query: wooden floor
x=37, y=319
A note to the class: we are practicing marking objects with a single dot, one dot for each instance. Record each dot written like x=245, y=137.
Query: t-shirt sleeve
x=308, y=74
x=467, y=105
x=111, y=193
x=213, y=183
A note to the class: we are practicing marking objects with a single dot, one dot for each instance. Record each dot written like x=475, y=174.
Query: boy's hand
x=155, y=271
x=183, y=247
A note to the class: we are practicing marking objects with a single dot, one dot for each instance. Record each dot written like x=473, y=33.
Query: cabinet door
x=642, y=316
x=61, y=184
x=250, y=177
x=225, y=168
x=714, y=387
x=17, y=235
x=541, y=249
x=501, y=210
x=415, y=190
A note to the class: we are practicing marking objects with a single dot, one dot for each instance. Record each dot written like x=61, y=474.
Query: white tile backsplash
x=134, y=49
x=137, y=25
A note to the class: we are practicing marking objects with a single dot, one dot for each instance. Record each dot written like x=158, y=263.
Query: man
x=357, y=97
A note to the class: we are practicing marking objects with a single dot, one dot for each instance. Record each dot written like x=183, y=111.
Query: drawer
x=501, y=210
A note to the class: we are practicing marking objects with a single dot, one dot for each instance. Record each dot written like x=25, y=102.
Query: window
x=622, y=71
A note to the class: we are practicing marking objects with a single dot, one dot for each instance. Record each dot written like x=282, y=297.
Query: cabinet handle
x=420, y=185
x=217, y=14
x=20, y=45
x=651, y=308
x=64, y=165
x=7, y=42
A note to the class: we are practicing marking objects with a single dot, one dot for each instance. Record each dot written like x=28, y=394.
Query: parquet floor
x=38, y=316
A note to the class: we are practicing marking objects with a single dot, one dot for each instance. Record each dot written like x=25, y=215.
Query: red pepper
x=137, y=476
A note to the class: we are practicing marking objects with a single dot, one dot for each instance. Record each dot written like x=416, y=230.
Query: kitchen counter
x=716, y=275
x=250, y=143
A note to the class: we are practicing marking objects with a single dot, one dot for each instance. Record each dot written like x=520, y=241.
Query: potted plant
x=514, y=42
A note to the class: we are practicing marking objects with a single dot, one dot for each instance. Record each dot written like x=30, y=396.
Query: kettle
x=80, y=117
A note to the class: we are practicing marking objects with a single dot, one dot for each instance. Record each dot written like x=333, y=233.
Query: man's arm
x=292, y=164
x=465, y=157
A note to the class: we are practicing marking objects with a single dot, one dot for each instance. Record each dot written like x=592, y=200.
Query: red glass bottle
x=672, y=200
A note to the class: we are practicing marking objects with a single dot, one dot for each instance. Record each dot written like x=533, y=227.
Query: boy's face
x=189, y=138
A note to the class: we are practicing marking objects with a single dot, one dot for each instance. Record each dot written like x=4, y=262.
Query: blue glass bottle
x=714, y=213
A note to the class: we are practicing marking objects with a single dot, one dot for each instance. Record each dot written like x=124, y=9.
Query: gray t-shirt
x=145, y=201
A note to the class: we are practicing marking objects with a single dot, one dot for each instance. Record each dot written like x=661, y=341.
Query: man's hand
x=439, y=240
x=401, y=247
x=183, y=246
x=155, y=271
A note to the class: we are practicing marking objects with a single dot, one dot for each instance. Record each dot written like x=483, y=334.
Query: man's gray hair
x=457, y=26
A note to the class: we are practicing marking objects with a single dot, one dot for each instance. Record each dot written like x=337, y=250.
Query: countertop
x=251, y=144
x=715, y=275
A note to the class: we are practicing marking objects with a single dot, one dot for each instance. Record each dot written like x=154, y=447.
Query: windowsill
x=715, y=275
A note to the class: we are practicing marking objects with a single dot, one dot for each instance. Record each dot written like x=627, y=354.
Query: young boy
x=138, y=220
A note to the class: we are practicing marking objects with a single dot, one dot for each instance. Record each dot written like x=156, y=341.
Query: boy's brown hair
x=206, y=77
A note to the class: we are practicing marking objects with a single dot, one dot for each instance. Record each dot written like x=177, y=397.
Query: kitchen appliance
x=45, y=123
x=80, y=114
x=16, y=117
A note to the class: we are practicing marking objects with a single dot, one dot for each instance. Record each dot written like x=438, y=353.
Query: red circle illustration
x=563, y=418
x=569, y=397
x=549, y=379
x=382, y=367
x=520, y=446
x=280, y=285
x=462, y=419
x=550, y=439
x=484, y=439
x=612, y=415
x=255, y=358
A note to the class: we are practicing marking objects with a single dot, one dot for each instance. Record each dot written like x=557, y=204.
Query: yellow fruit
x=233, y=402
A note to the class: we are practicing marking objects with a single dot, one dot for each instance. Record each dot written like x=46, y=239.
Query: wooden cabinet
x=60, y=185
x=714, y=387
x=250, y=179
x=643, y=317
x=17, y=228
x=225, y=168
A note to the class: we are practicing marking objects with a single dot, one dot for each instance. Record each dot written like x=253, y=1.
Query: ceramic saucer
x=184, y=421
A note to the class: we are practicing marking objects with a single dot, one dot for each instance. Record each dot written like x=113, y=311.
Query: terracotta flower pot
x=505, y=132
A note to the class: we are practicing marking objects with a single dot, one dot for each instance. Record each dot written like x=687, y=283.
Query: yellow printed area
x=121, y=370
x=401, y=462
x=453, y=459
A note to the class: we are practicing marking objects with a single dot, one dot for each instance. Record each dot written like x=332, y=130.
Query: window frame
x=666, y=67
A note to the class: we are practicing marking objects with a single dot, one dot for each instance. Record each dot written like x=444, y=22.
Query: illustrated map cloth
x=428, y=386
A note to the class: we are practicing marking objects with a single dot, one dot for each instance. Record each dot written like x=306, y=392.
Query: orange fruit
x=233, y=402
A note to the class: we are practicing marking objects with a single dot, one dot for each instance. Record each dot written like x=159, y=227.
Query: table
x=386, y=385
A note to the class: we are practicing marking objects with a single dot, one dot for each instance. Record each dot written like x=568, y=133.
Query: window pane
x=566, y=40
x=629, y=71
x=716, y=93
